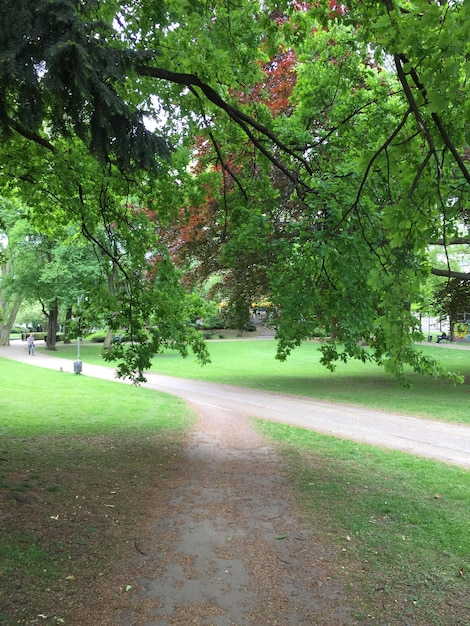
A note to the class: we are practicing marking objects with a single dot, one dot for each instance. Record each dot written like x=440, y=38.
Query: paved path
x=449, y=443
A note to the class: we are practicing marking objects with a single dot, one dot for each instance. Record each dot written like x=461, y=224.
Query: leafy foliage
x=453, y=299
x=343, y=245
x=331, y=147
x=58, y=63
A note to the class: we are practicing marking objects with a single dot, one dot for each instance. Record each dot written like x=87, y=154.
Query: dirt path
x=449, y=443
x=225, y=545
x=228, y=547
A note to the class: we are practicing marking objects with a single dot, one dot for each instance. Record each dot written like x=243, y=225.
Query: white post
x=77, y=366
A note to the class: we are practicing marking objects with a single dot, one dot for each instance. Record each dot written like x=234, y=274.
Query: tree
x=452, y=300
x=10, y=298
x=371, y=165
x=47, y=271
x=348, y=252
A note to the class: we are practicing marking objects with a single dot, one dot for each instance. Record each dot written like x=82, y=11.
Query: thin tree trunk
x=68, y=317
x=113, y=286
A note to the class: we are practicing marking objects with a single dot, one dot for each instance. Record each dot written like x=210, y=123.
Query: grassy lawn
x=55, y=403
x=252, y=364
x=398, y=526
x=79, y=458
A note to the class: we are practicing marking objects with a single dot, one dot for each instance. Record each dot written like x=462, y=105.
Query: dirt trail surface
x=226, y=545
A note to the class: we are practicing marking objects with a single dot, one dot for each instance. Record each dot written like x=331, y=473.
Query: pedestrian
x=30, y=342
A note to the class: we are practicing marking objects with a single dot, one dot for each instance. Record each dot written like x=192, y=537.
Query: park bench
x=443, y=337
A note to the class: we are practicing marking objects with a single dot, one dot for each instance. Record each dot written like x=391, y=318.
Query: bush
x=40, y=336
x=210, y=323
x=97, y=337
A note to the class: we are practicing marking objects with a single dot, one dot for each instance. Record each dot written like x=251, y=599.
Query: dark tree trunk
x=52, y=327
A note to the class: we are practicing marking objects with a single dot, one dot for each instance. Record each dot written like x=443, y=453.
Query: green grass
x=21, y=552
x=399, y=526
x=396, y=527
x=252, y=364
x=75, y=454
x=37, y=401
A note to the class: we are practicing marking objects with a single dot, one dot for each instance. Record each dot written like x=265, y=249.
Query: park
x=361, y=533
x=234, y=313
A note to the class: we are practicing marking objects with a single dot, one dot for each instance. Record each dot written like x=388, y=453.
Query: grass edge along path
x=397, y=525
x=252, y=364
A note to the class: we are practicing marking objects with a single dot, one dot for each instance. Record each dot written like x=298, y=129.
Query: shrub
x=97, y=337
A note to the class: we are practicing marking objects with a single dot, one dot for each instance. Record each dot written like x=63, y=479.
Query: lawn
x=397, y=525
x=253, y=364
x=79, y=461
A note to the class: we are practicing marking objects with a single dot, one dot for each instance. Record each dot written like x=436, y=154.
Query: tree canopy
x=307, y=153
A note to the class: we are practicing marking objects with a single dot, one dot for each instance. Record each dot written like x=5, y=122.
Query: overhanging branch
x=30, y=135
x=400, y=60
x=245, y=121
x=455, y=241
x=450, y=274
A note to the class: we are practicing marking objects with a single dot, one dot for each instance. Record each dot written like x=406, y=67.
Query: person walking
x=30, y=342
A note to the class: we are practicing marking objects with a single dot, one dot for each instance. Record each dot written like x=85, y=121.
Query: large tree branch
x=399, y=60
x=439, y=125
x=30, y=135
x=455, y=241
x=450, y=274
x=245, y=121
x=223, y=162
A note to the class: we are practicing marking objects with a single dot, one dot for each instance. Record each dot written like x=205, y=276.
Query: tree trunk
x=68, y=317
x=52, y=327
x=9, y=318
x=108, y=340
x=8, y=306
